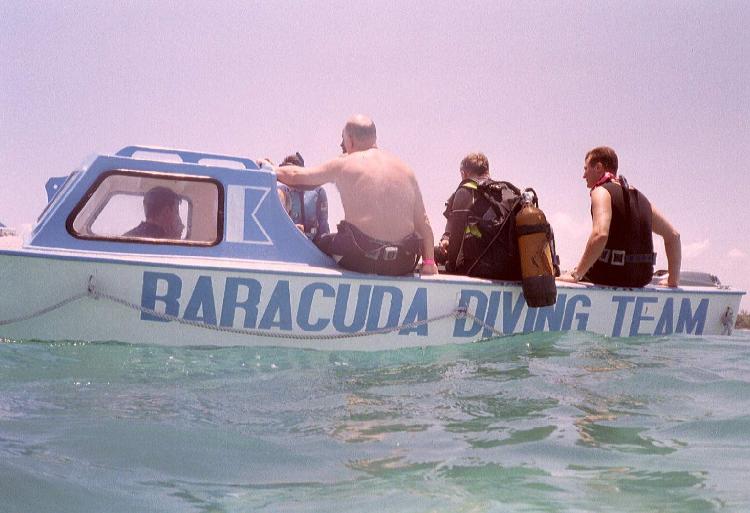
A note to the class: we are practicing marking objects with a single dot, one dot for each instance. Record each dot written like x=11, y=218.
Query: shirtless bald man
x=385, y=226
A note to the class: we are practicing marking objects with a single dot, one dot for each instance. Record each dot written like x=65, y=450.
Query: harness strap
x=619, y=257
x=532, y=228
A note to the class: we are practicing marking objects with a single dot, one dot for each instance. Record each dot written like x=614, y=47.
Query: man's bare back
x=379, y=192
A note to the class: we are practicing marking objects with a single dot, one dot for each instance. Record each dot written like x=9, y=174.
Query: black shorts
x=354, y=250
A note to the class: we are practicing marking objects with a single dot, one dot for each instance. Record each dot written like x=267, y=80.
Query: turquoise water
x=542, y=422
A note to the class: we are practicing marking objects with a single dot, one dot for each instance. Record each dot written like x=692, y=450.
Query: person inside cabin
x=161, y=207
x=385, y=226
x=473, y=222
x=619, y=251
x=307, y=208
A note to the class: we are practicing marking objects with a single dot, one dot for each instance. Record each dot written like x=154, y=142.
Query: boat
x=241, y=274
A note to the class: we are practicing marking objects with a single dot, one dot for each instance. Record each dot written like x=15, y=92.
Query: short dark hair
x=605, y=155
x=293, y=160
x=159, y=198
x=476, y=164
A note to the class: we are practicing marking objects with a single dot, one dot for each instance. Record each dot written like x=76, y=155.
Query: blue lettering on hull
x=319, y=305
x=491, y=311
x=349, y=308
x=691, y=319
x=170, y=298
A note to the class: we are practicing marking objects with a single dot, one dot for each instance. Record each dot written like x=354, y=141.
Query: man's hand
x=666, y=282
x=571, y=277
x=430, y=268
x=567, y=277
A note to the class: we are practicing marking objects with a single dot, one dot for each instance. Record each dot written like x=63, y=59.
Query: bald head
x=359, y=132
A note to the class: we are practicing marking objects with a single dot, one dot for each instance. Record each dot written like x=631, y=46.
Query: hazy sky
x=534, y=85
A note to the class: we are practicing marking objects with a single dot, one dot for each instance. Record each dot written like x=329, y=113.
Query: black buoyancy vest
x=490, y=219
x=628, y=258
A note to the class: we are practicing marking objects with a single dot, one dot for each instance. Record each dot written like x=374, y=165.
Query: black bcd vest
x=628, y=258
x=489, y=246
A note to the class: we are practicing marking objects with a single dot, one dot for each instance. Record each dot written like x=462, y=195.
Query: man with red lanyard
x=619, y=251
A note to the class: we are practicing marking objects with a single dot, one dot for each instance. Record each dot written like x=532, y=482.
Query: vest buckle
x=618, y=257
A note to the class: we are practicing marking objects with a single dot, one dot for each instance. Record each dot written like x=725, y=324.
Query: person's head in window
x=161, y=206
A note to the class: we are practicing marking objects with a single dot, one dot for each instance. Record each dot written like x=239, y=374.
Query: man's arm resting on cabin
x=672, y=246
x=309, y=177
x=601, y=215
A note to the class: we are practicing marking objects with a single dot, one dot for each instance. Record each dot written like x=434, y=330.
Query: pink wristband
x=428, y=261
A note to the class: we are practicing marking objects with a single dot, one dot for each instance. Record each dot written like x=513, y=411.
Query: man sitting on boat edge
x=480, y=236
x=385, y=226
x=619, y=251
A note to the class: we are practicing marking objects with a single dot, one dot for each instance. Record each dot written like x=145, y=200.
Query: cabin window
x=132, y=206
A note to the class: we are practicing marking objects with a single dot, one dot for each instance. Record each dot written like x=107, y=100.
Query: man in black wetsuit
x=161, y=207
x=619, y=251
x=472, y=223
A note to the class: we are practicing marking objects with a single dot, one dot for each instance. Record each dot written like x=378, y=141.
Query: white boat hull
x=68, y=295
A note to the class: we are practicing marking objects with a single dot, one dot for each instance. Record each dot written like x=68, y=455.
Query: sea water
x=541, y=422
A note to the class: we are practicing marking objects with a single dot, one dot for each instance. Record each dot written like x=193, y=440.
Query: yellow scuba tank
x=537, y=266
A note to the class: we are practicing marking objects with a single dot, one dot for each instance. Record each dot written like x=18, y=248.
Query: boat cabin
x=223, y=206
